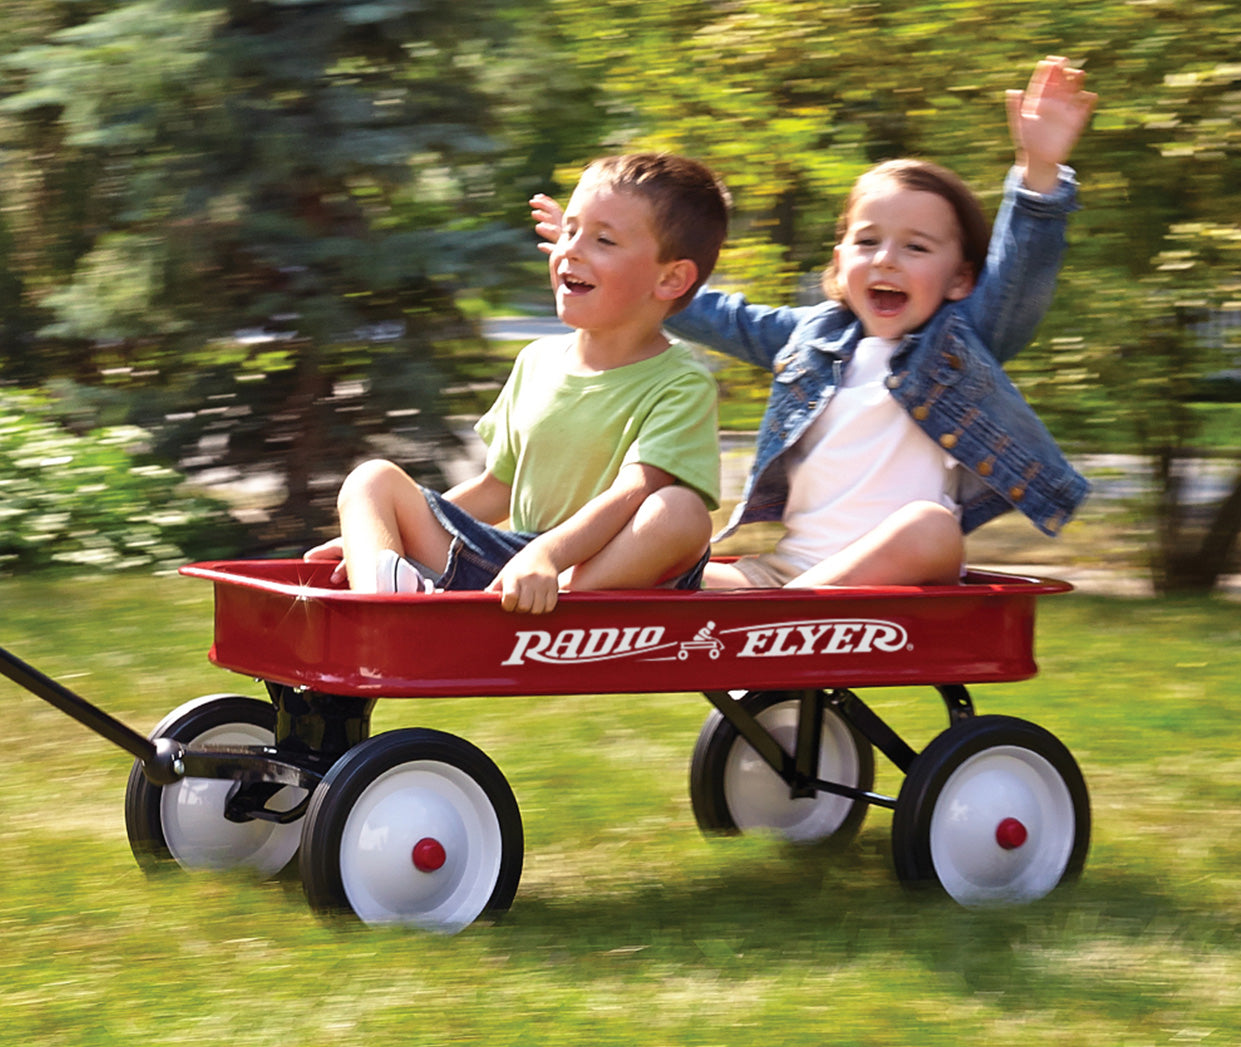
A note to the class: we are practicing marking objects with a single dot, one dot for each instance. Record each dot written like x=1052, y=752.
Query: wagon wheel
x=184, y=822
x=995, y=810
x=412, y=826
x=733, y=789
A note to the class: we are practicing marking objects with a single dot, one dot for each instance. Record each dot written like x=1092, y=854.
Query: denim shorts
x=480, y=550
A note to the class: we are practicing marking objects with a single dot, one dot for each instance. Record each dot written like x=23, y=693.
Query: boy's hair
x=689, y=206
x=926, y=177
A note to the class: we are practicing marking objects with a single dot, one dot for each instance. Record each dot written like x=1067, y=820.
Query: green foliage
x=96, y=499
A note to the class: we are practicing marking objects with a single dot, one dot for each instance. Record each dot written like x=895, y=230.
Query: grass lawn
x=629, y=928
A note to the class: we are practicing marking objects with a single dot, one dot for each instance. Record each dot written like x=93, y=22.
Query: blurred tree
x=1150, y=303
x=261, y=205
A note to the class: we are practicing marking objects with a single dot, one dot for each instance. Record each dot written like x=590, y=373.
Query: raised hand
x=1047, y=118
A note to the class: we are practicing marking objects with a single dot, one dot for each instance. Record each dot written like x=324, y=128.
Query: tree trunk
x=300, y=516
x=1191, y=553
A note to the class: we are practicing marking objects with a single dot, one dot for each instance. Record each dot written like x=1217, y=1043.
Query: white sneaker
x=395, y=574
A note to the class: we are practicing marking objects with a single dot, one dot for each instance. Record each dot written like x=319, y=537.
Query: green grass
x=629, y=928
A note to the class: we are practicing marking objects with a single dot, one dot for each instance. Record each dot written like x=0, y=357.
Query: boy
x=602, y=450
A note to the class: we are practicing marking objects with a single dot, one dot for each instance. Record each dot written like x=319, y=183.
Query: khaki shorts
x=769, y=570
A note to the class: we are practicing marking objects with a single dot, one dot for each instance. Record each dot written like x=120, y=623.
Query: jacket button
x=948, y=441
x=893, y=381
x=920, y=412
x=954, y=361
x=1015, y=493
x=984, y=468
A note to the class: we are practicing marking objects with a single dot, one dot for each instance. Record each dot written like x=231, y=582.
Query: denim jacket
x=947, y=375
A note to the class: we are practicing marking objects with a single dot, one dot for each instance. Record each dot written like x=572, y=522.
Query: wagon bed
x=322, y=636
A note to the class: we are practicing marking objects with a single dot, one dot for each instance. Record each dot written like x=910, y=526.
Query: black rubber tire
x=1005, y=765
x=189, y=724
x=846, y=758
x=442, y=777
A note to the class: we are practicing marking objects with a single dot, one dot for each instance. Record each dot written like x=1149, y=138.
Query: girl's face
x=900, y=259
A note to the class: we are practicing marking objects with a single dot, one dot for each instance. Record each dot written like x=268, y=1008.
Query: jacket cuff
x=1061, y=200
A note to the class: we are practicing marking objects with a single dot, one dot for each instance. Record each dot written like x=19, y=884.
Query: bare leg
x=382, y=508
x=663, y=539
x=919, y=544
x=724, y=576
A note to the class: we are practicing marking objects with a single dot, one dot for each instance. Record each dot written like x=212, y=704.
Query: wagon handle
x=156, y=756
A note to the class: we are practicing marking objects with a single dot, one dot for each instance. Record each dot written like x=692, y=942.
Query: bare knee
x=919, y=544
x=666, y=536
x=368, y=482
x=932, y=539
x=930, y=517
x=680, y=513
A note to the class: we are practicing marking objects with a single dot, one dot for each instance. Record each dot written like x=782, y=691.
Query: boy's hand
x=529, y=582
x=548, y=216
x=330, y=550
x=1047, y=119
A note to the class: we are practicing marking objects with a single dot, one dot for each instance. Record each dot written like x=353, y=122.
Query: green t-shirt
x=560, y=439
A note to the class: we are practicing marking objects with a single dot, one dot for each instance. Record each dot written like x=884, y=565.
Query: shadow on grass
x=792, y=908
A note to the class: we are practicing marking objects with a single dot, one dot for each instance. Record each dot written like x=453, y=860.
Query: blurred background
x=243, y=245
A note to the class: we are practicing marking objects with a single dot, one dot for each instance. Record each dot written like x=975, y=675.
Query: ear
x=962, y=285
x=676, y=279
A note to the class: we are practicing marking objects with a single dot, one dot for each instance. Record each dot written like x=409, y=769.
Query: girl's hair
x=689, y=205
x=926, y=177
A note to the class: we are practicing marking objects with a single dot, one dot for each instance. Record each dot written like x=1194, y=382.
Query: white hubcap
x=384, y=869
x=1002, y=829
x=758, y=798
x=200, y=837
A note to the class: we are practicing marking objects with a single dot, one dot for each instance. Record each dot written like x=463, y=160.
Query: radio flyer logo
x=793, y=639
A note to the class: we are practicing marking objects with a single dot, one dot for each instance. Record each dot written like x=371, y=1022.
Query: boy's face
x=900, y=259
x=605, y=268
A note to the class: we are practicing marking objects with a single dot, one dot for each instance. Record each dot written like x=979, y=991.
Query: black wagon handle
x=42, y=686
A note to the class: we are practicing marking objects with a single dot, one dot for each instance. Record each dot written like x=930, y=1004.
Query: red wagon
x=421, y=827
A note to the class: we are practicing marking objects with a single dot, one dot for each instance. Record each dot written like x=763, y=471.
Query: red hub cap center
x=1010, y=834
x=428, y=854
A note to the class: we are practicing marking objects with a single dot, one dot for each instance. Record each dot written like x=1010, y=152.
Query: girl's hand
x=548, y=216
x=1047, y=118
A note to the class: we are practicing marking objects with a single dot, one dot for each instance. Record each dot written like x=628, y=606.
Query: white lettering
x=826, y=636
x=883, y=635
x=778, y=650
x=528, y=643
x=755, y=639
x=600, y=642
x=810, y=634
x=580, y=645
x=564, y=647
x=650, y=636
x=842, y=638
x=626, y=640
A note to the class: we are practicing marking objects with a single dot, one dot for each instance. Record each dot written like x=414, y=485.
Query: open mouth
x=886, y=301
x=575, y=286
